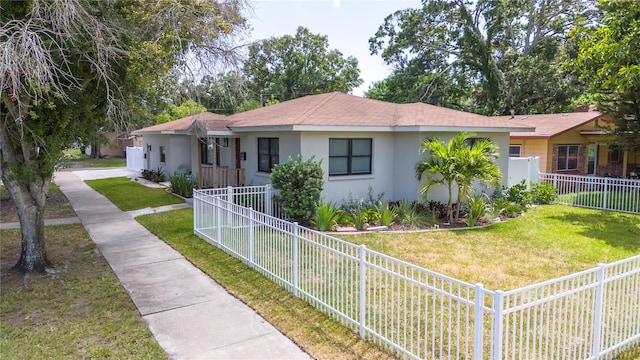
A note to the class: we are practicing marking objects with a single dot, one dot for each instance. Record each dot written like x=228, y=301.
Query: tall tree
x=293, y=66
x=69, y=67
x=187, y=108
x=609, y=62
x=226, y=93
x=502, y=54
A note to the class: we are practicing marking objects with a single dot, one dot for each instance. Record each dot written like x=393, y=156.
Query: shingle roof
x=339, y=109
x=207, y=120
x=548, y=125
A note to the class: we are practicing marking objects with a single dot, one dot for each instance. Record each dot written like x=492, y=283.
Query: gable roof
x=207, y=121
x=550, y=125
x=341, y=110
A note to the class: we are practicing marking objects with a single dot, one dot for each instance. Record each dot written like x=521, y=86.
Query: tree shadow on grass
x=619, y=230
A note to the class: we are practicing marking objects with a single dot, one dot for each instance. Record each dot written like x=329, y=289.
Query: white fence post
x=479, y=323
x=296, y=232
x=251, y=235
x=497, y=324
x=218, y=221
x=268, y=200
x=606, y=192
x=597, y=315
x=363, y=283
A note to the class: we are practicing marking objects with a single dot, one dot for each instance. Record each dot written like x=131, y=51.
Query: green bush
x=182, y=184
x=327, y=217
x=543, y=193
x=386, y=213
x=477, y=208
x=362, y=218
x=519, y=194
x=300, y=184
x=353, y=204
x=153, y=175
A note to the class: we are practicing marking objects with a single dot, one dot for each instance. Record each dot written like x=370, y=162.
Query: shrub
x=416, y=219
x=300, y=184
x=496, y=207
x=543, y=193
x=182, y=184
x=403, y=209
x=438, y=207
x=519, y=194
x=327, y=217
x=477, y=208
x=353, y=205
x=153, y=175
x=361, y=218
x=386, y=213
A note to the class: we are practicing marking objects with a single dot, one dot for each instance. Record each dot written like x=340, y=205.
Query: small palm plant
x=477, y=208
x=386, y=213
x=327, y=217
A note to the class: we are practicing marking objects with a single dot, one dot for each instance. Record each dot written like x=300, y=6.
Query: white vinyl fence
x=523, y=168
x=596, y=192
x=135, y=158
x=420, y=314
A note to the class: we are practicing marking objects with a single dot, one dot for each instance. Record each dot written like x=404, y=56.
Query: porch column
x=215, y=165
x=199, y=150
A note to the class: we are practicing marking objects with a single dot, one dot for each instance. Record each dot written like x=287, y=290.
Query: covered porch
x=219, y=162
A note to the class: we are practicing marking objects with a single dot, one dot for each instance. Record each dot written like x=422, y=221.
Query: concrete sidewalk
x=190, y=315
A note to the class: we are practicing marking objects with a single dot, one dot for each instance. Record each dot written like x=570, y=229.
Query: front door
x=592, y=156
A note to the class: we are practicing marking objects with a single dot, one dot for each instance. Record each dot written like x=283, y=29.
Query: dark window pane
x=361, y=147
x=338, y=147
x=338, y=166
x=360, y=165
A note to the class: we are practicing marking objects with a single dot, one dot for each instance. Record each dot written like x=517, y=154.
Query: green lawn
x=74, y=159
x=315, y=332
x=629, y=202
x=77, y=311
x=129, y=195
x=547, y=242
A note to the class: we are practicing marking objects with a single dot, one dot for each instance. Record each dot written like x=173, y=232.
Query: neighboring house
x=571, y=143
x=361, y=142
x=116, y=144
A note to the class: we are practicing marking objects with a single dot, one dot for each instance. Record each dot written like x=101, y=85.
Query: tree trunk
x=29, y=201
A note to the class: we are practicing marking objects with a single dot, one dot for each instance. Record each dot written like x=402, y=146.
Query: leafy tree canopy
x=484, y=56
x=71, y=67
x=187, y=108
x=609, y=62
x=293, y=66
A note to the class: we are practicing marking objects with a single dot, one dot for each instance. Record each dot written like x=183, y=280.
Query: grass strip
x=316, y=333
x=129, y=195
x=77, y=311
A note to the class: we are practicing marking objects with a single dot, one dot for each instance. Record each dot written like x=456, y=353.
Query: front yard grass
x=78, y=311
x=129, y=195
x=75, y=159
x=315, y=332
x=547, y=242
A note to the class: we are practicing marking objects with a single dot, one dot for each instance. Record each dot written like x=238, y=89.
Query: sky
x=348, y=25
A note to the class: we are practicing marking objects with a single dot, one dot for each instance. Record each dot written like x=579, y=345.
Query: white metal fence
x=417, y=313
x=135, y=158
x=596, y=192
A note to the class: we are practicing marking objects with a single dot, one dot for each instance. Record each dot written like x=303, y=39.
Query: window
x=349, y=156
x=206, y=151
x=615, y=155
x=268, y=153
x=515, y=150
x=163, y=155
x=567, y=157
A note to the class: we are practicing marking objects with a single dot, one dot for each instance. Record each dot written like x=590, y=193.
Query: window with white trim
x=350, y=156
x=515, y=150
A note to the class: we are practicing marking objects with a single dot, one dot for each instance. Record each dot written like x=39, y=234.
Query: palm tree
x=457, y=165
x=476, y=162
